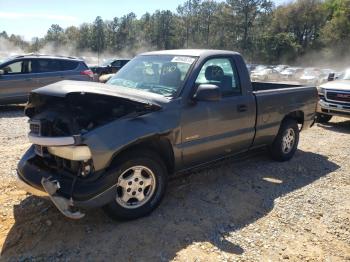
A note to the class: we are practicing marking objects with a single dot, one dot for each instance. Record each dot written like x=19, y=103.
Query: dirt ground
x=250, y=209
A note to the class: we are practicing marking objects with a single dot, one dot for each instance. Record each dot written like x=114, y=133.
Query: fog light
x=75, y=153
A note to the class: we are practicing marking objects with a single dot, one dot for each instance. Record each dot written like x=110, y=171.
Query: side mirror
x=208, y=92
x=2, y=72
x=331, y=77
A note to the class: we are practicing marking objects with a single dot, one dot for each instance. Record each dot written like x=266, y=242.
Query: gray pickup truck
x=114, y=145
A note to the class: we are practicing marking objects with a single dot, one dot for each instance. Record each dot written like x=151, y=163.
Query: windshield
x=288, y=71
x=259, y=67
x=107, y=62
x=265, y=71
x=161, y=74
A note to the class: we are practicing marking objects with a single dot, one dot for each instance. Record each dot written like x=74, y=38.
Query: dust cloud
x=8, y=49
x=326, y=58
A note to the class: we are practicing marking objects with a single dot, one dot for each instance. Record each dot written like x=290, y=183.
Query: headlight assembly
x=320, y=90
x=75, y=153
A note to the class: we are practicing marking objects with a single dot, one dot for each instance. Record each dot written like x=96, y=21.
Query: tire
x=286, y=142
x=322, y=118
x=133, y=172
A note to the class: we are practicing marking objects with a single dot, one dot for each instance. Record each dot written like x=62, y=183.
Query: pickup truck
x=115, y=145
x=334, y=98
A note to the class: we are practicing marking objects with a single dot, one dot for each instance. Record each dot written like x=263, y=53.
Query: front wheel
x=141, y=180
x=286, y=141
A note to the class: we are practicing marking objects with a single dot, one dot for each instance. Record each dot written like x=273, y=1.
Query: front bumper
x=30, y=189
x=96, y=191
x=333, y=109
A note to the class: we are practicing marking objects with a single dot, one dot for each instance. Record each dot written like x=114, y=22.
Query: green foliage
x=336, y=31
x=56, y=35
x=98, y=43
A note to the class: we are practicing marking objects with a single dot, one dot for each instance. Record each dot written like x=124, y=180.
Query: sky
x=30, y=18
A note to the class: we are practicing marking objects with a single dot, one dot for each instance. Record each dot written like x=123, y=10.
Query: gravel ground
x=250, y=209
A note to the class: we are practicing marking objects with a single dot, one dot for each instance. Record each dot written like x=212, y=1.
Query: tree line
x=259, y=30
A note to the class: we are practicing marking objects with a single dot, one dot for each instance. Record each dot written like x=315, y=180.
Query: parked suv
x=21, y=74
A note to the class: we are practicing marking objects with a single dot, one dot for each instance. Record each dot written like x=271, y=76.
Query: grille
x=35, y=127
x=336, y=112
x=338, y=96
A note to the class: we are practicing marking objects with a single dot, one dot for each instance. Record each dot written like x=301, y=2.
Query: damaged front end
x=60, y=163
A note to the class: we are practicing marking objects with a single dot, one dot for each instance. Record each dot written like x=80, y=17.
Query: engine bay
x=78, y=113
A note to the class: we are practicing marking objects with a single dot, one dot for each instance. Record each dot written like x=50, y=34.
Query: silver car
x=21, y=74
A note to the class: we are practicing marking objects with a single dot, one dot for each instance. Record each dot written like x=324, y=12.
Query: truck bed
x=274, y=101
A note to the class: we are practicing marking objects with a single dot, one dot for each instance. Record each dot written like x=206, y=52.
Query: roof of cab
x=192, y=52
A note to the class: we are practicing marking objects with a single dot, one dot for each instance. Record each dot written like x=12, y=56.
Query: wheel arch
x=158, y=144
x=297, y=116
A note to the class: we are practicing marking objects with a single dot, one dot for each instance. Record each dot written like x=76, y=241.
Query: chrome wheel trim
x=288, y=140
x=135, y=187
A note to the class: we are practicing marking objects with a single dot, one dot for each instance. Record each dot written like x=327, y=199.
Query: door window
x=45, y=65
x=220, y=72
x=18, y=67
x=69, y=65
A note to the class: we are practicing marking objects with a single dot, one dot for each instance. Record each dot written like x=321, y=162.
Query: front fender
x=106, y=141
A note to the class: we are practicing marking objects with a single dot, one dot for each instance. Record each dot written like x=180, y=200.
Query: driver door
x=214, y=129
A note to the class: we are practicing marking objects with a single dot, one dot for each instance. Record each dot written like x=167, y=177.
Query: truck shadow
x=339, y=126
x=10, y=111
x=201, y=206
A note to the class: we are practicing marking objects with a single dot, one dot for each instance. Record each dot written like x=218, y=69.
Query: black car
x=110, y=66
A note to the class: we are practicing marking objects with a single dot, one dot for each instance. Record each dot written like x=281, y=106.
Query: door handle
x=242, y=108
x=29, y=79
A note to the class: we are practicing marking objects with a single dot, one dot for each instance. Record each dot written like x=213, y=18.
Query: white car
x=291, y=73
x=265, y=75
x=311, y=76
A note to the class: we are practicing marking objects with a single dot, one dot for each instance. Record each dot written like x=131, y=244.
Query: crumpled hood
x=337, y=85
x=63, y=88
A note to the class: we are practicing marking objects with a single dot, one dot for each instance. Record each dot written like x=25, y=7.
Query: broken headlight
x=75, y=153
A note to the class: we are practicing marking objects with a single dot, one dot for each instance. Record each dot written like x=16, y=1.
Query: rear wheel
x=286, y=141
x=322, y=118
x=141, y=179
